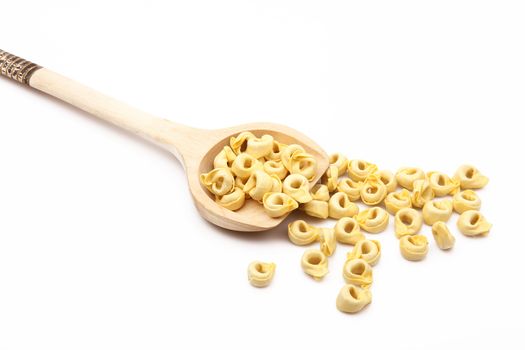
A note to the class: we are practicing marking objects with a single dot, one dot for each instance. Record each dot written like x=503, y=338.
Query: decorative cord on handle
x=16, y=68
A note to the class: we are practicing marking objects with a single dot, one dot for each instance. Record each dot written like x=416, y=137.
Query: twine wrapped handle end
x=16, y=68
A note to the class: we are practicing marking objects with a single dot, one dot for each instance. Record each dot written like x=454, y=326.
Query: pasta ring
x=239, y=143
x=304, y=164
x=359, y=170
x=373, y=220
x=406, y=176
x=340, y=205
x=352, y=299
x=327, y=241
x=347, y=231
x=320, y=192
x=219, y=181
x=258, y=184
x=408, y=221
x=225, y=158
x=274, y=167
x=373, y=191
x=388, y=179
x=422, y=193
x=442, y=235
x=397, y=200
x=275, y=152
x=260, y=146
x=470, y=177
x=358, y=272
x=473, y=223
x=286, y=154
x=435, y=211
x=340, y=161
x=368, y=250
x=316, y=208
x=277, y=204
x=442, y=184
x=297, y=187
x=302, y=233
x=314, y=263
x=233, y=200
x=466, y=200
x=244, y=165
x=351, y=188
x=260, y=274
x=414, y=247
x=330, y=178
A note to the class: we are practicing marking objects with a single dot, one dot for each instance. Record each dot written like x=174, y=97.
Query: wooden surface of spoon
x=195, y=148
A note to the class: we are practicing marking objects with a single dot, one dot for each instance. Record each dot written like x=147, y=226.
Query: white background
x=101, y=247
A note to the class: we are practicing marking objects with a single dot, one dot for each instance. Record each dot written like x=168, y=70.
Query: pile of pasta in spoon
x=279, y=175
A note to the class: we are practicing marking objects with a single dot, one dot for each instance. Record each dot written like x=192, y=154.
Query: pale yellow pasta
x=407, y=221
x=388, y=179
x=275, y=167
x=239, y=143
x=297, y=187
x=260, y=274
x=286, y=154
x=320, y=192
x=442, y=184
x=259, y=146
x=373, y=220
x=435, y=211
x=406, y=176
x=241, y=183
x=442, y=235
x=233, y=200
x=302, y=233
x=414, y=247
x=219, y=181
x=359, y=170
x=244, y=165
x=340, y=161
x=351, y=188
x=473, y=223
x=352, y=299
x=397, y=200
x=466, y=200
x=470, y=177
x=373, y=191
x=358, y=272
x=314, y=263
x=421, y=193
x=327, y=241
x=368, y=250
x=258, y=185
x=347, y=231
x=315, y=208
x=275, y=152
x=277, y=185
x=330, y=178
x=225, y=158
x=277, y=204
x=339, y=206
x=304, y=164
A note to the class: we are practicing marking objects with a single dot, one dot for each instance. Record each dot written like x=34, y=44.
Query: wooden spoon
x=194, y=148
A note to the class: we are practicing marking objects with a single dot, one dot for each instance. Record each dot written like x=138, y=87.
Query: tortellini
x=340, y=206
x=359, y=170
x=340, y=161
x=466, y=200
x=435, y=211
x=470, y=177
x=233, y=200
x=327, y=241
x=408, y=221
x=320, y=192
x=351, y=188
x=225, y=158
x=414, y=247
x=406, y=176
x=473, y=223
x=244, y=165
x=352, y=299
x=314, y=263
x=287, y=154
x=373, y=220
x=442, y=184
x=442, y=235
x=219, y=181
x=398, y=200
x=260, y=274
x=421, y=193
x=358, y=272
x=239, y=143
x=330, y=178
x=275, y=152
x=259, y=147
x=373, y=191
x=347, y=231
x=302, y=233
x=388, y=179
x=297, y=187
x=316, y=208
x=258, y=185
x=275, y=167
x=297, y=161
x=277, y=204
x=368, y=250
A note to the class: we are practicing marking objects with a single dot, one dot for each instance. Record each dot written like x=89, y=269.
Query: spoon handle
x=161, y=132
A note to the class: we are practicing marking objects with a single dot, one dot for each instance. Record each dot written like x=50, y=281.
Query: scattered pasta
x=330, y=178
x=352, y=299
x=277, y=204
x=260, y=274
x=301, y=233
x=359, y=170
x=347, y=231
x=388, y=179
x=470, y=177
x=340, y=206
x=316, y=208
x=358, y=272
x=421, y=193
x=320, y=192
x=351, y=188
x=373, y=220
x=466, y=200
x=275, y=167
x=327, y=241
x=473, y=223
x=297, y=187
x=258, y=184
x=435, y=211
x=442, y=235
x=314, y=263
x=340, y=161
x=406, y=176
x=225, y=158
x=233, y=200
x=218, y=181
x=408, y=221
x=398, y=200
x=368, y=250
x=442, y=184
x=244, y=165
x=414, y=247
x=373, y=191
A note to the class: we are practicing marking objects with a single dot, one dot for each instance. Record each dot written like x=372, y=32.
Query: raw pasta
x=373, y=191
x=327, y=241
x=316, y=208
x=258, y=185
x=421, y=193
x=359, y=170
x=320, y=192
x=397, y=200
x=473, y=223
x=275, y=167
x=442, y=184
x=340, y=161
x=330, y=178
x=239, y=143
x=297, y=187
x=302, y=233
x=442, y=235
x=218, y=181
x=408, y=221
x=233, y=200
x=340, y=206
x=406, y=176
x=275, y=152
x=244, y=165
x=352, y=299
x=470, y=177
x=388, y=179
x=351, y=188
x=259, y=147
x=347, y=231
x=278, y=204
x=373, y=220
x=260, y=274
x=368, y=250
x=314, y=263
x=358, y=272
x=225, y=158
x=414, y=247
x=435, y=211
x=466, y=200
